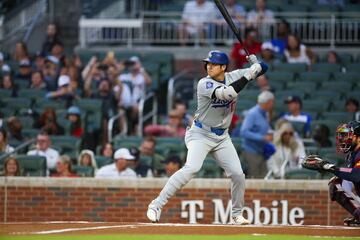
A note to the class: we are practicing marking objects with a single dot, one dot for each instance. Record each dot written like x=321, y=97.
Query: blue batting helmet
x=217, y=57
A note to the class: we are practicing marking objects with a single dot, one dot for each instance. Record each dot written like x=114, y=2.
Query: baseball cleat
x=240, y=220
x=352, y=222
x=153, y=213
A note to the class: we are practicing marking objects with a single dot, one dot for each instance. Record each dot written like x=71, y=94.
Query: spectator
x=92, y=74
x=174, y=128
x=147, y=148
x=332, y=57
x=138, y=79
x=50, y=72
x=64, y=91
x=255, y=135
x=4, y=146
x=352, y=106
x=181, y=108
x=261, y=18
x=238, y=54
x=141, y=169
x=21, y=52
x=57, y=51
x=15, y=129
x=52, y=36
x=195, y=16
x=43, y=148
x=296, y=52
x=74, y=116
x=39, y=61
x=48, y=123
x=279, y=43
x=4, y=68
x=24, y=73
x=7, y=83
x=295, y=116
x=11, y=167
x=262, y=82
x=289, y=149
x=107, y=150
x=63, y=167
x=267, y=53
x=87, y=158
x=118, y=169
x=172, y=165
x=37, y=80
x=321, y=134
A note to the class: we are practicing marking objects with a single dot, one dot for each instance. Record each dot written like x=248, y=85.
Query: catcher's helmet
x=344, y=135
x=217, y=57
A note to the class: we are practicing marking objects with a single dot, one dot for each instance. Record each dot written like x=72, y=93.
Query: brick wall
x=44, y=199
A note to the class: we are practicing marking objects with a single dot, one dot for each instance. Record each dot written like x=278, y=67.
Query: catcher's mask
x=344, y=137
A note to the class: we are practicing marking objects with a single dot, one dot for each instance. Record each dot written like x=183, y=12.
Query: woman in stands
x=48, y=122
x=74, y=116
x=11, y=167
x=21, y=52
x=63, y=167
x=107, y=150
x=288, y=148
x=296, y=52
x=87, y=159
x=4, y=146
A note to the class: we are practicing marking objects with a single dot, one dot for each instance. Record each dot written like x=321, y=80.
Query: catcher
x=344, y=188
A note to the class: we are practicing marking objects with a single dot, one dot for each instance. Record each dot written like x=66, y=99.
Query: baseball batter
x=216, y=95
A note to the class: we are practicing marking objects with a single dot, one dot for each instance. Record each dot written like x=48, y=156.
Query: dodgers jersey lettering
x=215, y=112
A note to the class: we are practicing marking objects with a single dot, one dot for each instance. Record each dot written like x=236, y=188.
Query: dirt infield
x=146, y=228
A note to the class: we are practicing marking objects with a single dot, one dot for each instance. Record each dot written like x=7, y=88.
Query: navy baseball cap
x=293, y=98
x=174, y=159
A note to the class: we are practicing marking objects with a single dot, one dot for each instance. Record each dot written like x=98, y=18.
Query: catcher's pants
x=199, y=143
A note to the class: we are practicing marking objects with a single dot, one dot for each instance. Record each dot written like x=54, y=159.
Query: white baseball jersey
x=215, y=112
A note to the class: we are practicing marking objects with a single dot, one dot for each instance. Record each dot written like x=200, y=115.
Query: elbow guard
x=225, y=93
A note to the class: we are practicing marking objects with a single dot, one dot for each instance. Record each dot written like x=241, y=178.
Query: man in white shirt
x=118, y=169
x=43, y=148
x=261, y=19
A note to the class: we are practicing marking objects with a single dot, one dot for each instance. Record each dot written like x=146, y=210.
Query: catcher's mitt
x=314, y=162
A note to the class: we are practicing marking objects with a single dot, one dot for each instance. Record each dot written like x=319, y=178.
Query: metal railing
x=326, y=29
x=152, y=114
x=110, y=125
x=171, y=88
x=18, y=148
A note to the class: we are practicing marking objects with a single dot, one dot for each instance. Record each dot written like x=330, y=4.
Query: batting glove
x=253, y=71
x=252, y=59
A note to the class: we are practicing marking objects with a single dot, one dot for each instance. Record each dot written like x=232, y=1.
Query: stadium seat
x=102, y=161
x=339, y=86
x=353, y=94
x=32, y=165
x=352, y=77
x=16, y=103
x=291, y=67
x=89, y=105
x=126, y=142
x=146, y=161
x=83, y=171
x=315, y=105
x=324, y=95
x=174, y=144
x=353, y=67
x=32, y=94
x=326, y=67
x=210, y=169
x=244, y=104
x=337, y=105
x=285, y=93
x=307, y=86
x=301, y=174
x=317, y=77
x=68, y=144
x=5, y=93
x=42, y=104
x=30, y=132
x=27, y=122
x=278, y=76
x=249, y=94
x=337, y=116
x=331, y=124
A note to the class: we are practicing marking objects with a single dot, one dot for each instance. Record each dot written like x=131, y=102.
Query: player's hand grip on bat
x=252, y=59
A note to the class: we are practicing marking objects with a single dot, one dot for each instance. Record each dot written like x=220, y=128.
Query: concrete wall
x=51, y=199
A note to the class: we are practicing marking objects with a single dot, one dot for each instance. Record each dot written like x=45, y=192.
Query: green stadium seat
x=42, y=104
x=338, y=116
x=337, y=105
x=89, y=105
x=347, y=77
x=324, y=8
x=326, y=67
x=32, y=94
x=5, y=93
x=83, y=171
x=174, y=144
x=331, y=124
x=291, y=67
x=345, y=58
x=249, y=94
x=102, y=161
x=244, y=104
x=210, y=169
x=68, y=144
x=27, y=122
x=7, y=112
x=16, y=103
x=353, y=67
x=301, y=174
x=278, y=76
x=30, y=132
x=353, y=94
x=32, y=165
x=324, y=95
x=285, y=93
x=317, y=77
x=339, y=86
x=146, y=161
x=127, y=141
x=306, y=86
x=85, y=56
x=21, y=83
x=351, y=8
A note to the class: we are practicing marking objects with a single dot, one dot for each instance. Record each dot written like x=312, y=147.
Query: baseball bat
x=220, y=5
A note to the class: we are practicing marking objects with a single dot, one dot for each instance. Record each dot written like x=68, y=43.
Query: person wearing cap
x=118, y=169
x=172, y=165
x=141, y=170
x=174, y=128
x=300, y=120
x=24, y=73
x=64, y=91
x=74, y=116
x=50, y=72
x=255, y=135
x=268, y=53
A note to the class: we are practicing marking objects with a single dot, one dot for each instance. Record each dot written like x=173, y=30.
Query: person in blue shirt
x=299, y=119
x=255, y=135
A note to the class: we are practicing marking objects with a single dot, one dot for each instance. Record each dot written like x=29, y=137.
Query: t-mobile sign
x=194, y=210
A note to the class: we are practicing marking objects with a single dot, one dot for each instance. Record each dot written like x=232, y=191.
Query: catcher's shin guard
x=347, y=200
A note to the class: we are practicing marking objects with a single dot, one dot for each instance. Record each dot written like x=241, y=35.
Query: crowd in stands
x=265, y=136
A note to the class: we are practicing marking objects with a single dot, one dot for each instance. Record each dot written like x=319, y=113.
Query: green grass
x=169, y=237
